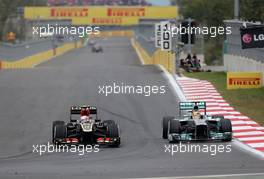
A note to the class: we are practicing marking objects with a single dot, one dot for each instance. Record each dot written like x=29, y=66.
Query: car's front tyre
x=165, y=121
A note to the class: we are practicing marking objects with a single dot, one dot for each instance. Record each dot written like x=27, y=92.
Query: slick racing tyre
x=174, y=126
x=55, y=123
x=165, y=121
x=113, y=131
x=60, y=132
x=226, y=126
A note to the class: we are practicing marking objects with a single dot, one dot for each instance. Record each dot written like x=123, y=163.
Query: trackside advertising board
x=101, y=14
x=244, y=80
x=252, y=37
x=119, y=21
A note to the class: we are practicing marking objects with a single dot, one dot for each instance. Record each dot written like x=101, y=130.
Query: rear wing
x=187, y=106
x=77, y=109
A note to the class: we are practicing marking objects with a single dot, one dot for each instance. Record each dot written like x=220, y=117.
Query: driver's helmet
x=195, y=108
x=85, y=112
x=195, y=113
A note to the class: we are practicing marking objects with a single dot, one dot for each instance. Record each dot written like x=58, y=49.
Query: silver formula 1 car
x=196, y=125
x=88, y=129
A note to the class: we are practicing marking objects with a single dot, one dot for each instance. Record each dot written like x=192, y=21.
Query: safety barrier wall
x=166, y=59
x=159, y=57
x=33, y=60
x=142, y=52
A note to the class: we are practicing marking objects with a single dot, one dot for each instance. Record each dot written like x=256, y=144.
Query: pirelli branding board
x=68, y=12
x=244, y=80
x=105, y=21
x=99, y=13
x=126, y=12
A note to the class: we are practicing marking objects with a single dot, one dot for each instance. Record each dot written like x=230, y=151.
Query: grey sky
x=160, y=2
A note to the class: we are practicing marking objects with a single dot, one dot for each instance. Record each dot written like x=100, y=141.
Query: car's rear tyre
x=226, y=126
x=113, y=132
x=165, y=121
x=54, y=123
x=60, y=132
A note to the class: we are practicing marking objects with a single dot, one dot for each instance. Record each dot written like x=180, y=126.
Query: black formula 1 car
x=96, y=48
x=89, y=131
x=195, y=126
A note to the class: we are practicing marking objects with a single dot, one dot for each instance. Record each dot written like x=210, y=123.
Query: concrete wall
x=33, y=60
x=238, y=63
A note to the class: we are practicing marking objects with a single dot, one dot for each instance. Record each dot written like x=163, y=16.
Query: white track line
x=209, y=176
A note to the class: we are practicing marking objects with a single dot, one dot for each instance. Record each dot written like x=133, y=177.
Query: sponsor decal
x=109, y=21
x=236, y=80
x=259, y=37
x=126, y=12
x=69, y=12
x=247, y=38
x=244, y=81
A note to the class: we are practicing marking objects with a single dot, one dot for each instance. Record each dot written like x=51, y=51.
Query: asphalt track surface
x=31, y=99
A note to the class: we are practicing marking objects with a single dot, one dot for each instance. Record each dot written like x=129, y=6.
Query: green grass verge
x=249, y=102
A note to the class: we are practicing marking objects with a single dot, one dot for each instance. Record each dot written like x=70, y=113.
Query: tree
x=8, y=9
x=252, y=10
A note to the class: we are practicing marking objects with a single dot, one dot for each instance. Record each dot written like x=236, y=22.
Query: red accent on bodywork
x=71, y=140
x=100, y=140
